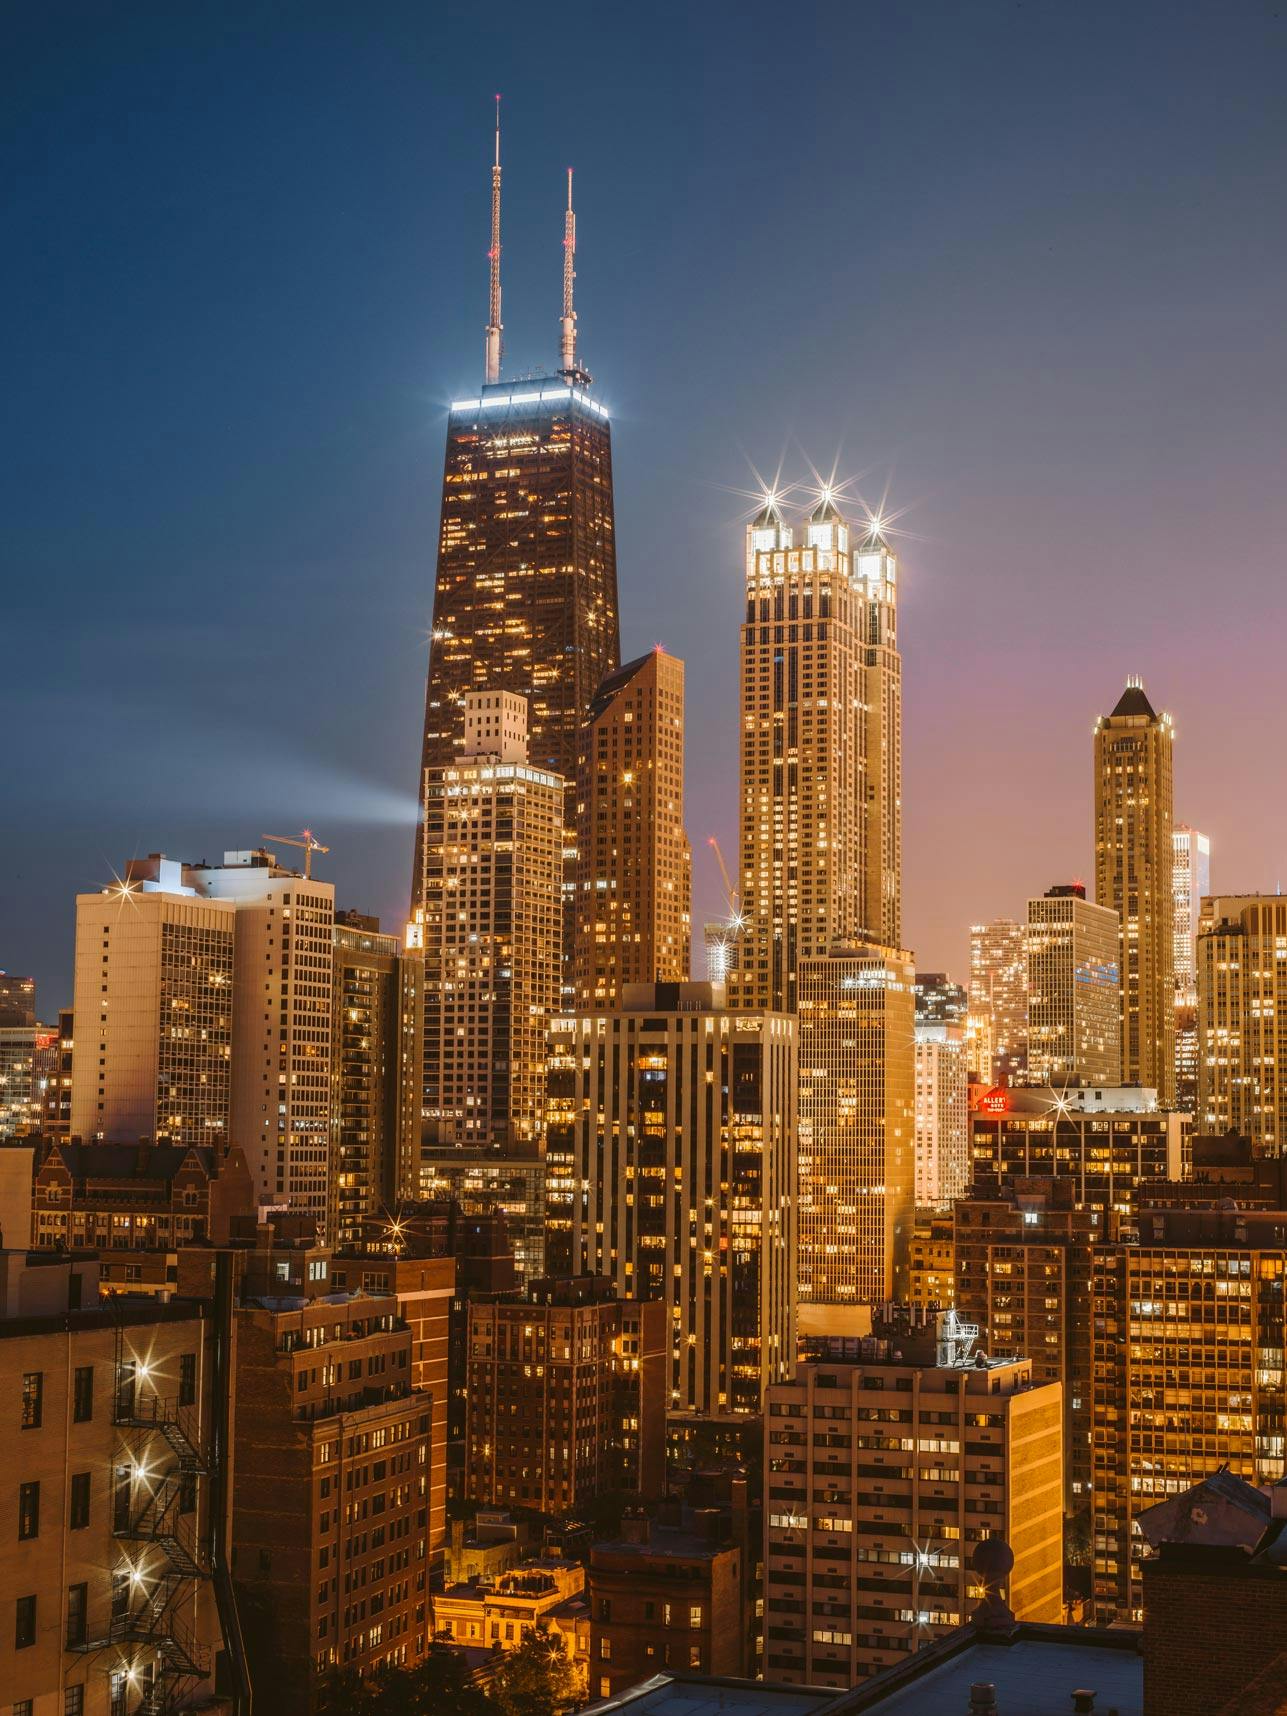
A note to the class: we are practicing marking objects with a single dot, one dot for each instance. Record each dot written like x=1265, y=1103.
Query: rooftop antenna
x=569, y=368
x=493, y=256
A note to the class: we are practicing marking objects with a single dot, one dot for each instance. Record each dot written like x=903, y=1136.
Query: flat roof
x=665, y=1696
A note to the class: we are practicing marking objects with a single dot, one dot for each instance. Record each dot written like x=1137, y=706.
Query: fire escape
x=160, y=1463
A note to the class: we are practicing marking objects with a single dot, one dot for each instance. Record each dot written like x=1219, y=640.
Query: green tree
x=438, y=1686
x=537, y=1679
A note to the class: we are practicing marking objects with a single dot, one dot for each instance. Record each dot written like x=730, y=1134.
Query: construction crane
x=735, y=920
x=306, y=843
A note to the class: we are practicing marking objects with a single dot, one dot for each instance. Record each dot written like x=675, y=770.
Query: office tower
x=17, y=1000
x=117, y=1520
x=679, y=1118
x=1191, y=882
x=20, y=1099
x=1022, y=1254
x=490, y=930
x=857, y=1121
x=1134, y=875
x=717, y=940
x=861, y=1573
x=496, y=1184
x=1112, y=1144
x=941, y=1125
x=668, y=1592
x=1188, y=1344
x=53, y=1070
x=566, y=1395
x=526, y=592
x=1074, y=1028
x=281, y=1026
x=633, y=907
x=999, y=998
x=377, y=1077
x=154, y=1010
x=821, y=763
x=1242, y=1002
x=331, y=1478
x=931, y=1261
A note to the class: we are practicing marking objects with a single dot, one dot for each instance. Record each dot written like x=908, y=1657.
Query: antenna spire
x=569, y=368
x=492, y=369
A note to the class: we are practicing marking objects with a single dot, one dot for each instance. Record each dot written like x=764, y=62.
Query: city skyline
x=186, y=586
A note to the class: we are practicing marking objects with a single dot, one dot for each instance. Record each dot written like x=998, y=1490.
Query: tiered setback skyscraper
x=999, y=1000
x=1134, y=874
x=489, y=927
x=677, y=1117
x=1242, y=1018
x=857, y=1073
x=633, y=910
x=1073, y=1025
x=821, y=813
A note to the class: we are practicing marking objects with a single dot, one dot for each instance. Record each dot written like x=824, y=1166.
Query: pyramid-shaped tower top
x=1133, y=700
x=826, y=511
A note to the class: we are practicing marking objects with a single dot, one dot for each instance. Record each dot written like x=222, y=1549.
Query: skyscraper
x=281, y=1027
x=1242, y=1018
x=1134, y=874
x=633, y=908
x=942, y=1119
x=1073, y=1029
x=377, y=1077
x=857, y=1076
x=821, y=761
x=1191, y=882
x=489, y=927
x=526, y=592
x=998, y=1019
x=678, y=1117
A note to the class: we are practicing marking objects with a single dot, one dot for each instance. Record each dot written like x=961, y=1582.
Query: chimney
x=634, y=1526
x=983, y=1699
x=1278, y=1500
x=1083, y=1701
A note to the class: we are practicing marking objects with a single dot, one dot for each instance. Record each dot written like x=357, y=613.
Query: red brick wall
x=1207, y=1633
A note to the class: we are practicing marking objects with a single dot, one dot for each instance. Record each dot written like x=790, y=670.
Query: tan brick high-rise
x=1134, y=817
x=633, y=885
x=1242, y=1018
x=821, y=754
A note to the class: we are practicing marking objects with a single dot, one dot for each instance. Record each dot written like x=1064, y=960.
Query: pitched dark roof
x=609, y=688
x=1134, y=702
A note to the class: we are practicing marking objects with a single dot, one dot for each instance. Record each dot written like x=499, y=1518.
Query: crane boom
x=307, y=844
x=730, y=892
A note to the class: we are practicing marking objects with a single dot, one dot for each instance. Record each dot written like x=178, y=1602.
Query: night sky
x=1023, y=267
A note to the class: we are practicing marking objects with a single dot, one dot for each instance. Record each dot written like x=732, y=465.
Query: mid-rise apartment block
x=332, y=1464
x=115, y=1516
x=153, y=1008
x=633, y=911
x=669, y=1593
x=887, y=1460
x=678, y=1118
x=857, y=1124
x=1022, y=1251
x=566, y=1396
x=1242, y=1006
x=1188, y=1330
x=1074, y=1022
x=491, y=913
